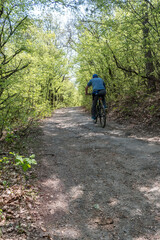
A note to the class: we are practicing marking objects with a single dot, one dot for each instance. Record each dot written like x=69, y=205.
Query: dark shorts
x=99, y=93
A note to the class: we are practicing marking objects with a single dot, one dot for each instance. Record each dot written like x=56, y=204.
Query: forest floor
x=92, y=183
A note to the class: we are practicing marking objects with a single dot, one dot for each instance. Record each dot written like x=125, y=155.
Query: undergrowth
x=137, y=109
x=18, y=190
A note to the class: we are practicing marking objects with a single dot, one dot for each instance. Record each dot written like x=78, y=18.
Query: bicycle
x=100, y=112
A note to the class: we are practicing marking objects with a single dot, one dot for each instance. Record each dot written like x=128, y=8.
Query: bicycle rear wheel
x=97, y=112
x=102, y=116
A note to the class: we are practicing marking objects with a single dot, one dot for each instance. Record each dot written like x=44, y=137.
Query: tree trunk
x=149, y=65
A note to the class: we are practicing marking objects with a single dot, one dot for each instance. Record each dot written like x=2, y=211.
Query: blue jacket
x=97, y=84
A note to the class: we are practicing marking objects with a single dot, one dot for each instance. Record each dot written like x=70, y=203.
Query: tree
x=9, y=25
x=121, y=44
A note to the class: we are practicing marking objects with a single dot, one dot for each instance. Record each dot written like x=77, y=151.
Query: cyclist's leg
x=102, y=114
x=94, y=103
x=102, y=93
x=104, y=102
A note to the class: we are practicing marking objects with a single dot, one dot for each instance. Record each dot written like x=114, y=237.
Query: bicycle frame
x=101, y=112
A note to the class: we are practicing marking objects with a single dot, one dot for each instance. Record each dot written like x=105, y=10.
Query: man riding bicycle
x=98, y=89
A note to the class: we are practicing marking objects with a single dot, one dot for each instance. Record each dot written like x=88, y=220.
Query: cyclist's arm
x=88, y=85
x=87, y=89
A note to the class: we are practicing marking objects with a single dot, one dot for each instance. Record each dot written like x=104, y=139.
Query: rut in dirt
x=97, y=183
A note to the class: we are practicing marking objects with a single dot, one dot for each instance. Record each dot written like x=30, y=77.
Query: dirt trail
x=98, y=184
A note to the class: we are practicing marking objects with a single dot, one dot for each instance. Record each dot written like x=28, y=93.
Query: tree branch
x=13, y=31
x=147, y=1
x=1, y=8
x=11, y=57
x=118, y=64
x=3, y=25
x=5, y=100
x=10, y=73
x=150, y=77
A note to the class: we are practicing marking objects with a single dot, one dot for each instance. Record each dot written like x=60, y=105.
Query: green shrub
x=24, y=162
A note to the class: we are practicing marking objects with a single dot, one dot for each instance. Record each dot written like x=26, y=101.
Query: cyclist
x=98, y=89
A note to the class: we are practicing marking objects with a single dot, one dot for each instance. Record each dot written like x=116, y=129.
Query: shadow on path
x=97, y=184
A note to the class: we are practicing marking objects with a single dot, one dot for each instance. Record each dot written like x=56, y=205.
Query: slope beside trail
x=97, y=184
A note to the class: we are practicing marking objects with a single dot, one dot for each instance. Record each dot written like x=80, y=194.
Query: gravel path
x=98, y=184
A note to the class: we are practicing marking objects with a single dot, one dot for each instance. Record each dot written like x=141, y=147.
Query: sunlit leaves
x=120, y=43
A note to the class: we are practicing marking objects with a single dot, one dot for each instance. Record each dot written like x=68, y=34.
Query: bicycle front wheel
x=102, y=117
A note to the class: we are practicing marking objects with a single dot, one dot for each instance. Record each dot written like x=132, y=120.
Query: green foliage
x=1, y=215
x=4, y=160
x=10, y=136
x=122, y=48
x=39, y=80
x=117, y=40
x=24, y=162
x=152, y=109
x=18, y=160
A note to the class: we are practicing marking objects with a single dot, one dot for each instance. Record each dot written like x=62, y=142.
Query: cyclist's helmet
x=95, y=76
